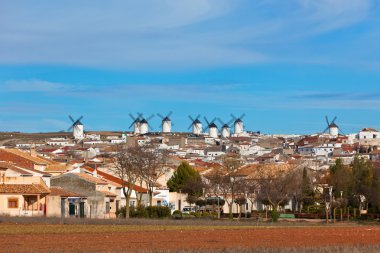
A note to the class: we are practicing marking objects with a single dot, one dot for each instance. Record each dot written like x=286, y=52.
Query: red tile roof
x=22, y=159
x=24, y=189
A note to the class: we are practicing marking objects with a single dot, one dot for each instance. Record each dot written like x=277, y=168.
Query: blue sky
x=286, y=64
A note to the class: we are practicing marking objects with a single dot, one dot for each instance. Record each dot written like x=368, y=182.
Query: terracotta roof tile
x=24, y=189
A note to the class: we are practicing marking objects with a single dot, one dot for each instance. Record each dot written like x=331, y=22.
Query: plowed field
x=92, y=238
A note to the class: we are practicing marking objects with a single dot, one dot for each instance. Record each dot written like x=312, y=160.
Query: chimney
x=33, y=150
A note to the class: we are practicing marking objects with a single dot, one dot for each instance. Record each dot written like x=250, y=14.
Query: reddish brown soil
x=192, y=239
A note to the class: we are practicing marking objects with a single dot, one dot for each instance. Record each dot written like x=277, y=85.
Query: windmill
x=166, y=123
x=144, y=125
x=196, y=125
x=77, y=127
x=213, y=129
x=226, y=127
x=332, y=127
x=238, y=124
x=136, y=122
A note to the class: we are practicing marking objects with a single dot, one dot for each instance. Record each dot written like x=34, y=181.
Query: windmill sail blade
x=324, y=131
x=327, y=120
x=230, y=122
x=132, y=117
x=233, y=116
x=150, y=117
x=208, y=123
x=333, y=121
x=242, y=116
x=170, y=114
x=159, y=115
x=71, y=118
x=220, y=121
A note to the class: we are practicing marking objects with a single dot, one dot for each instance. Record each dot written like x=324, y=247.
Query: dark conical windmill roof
x=238, y=120
x=166, y=119
x=143, y=121
x=212, y=125
x=225, y=126
x=333, y=125
x=196, y=121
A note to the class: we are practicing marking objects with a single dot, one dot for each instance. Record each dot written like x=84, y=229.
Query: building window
x=12, y=203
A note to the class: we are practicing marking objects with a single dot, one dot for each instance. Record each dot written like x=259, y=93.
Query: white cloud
x=169, y=33
x=33, y=85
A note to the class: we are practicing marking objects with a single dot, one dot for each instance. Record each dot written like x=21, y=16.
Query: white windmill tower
x=166, y=123
x=238, y=124
x=144, y=124
x=226, y=128
x=213, y=129
x=196, y=125
x=77, y=127
x=332, y=127
x=136, y=123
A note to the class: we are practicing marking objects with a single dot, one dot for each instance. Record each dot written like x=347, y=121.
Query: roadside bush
x=121, y=212
x=138, y=212
x=177, y=214
x=195, y=214
x=158, y=211
x=152, y=212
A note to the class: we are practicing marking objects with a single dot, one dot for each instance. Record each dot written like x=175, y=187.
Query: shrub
x=195, y=214
x=158, y=211
x=177, y=214
x=145, y=212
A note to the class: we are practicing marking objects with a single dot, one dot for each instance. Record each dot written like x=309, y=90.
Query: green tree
x=341, y=178
x=194, y=189
x=181, y=177
x=307, y=190
x=363, y=176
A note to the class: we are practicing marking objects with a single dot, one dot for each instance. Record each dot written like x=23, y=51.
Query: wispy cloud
x=33, y=85
x=170, y=34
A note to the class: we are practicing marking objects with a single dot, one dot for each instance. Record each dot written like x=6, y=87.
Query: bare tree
x=278, y=186
x=154, y=167
x=251, y=187
x=224, y=178
x=127, y=164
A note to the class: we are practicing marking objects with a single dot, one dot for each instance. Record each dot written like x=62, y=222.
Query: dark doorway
x=72, y=209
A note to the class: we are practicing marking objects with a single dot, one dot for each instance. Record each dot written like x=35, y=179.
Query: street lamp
x=180, y=200
x=245, y=206
x=217, y=195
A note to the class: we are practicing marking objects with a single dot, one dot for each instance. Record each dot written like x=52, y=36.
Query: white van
x=189, y=209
